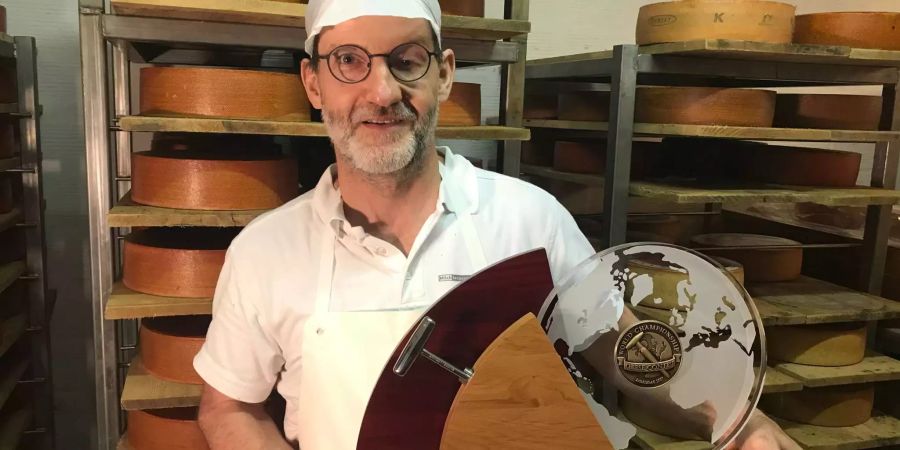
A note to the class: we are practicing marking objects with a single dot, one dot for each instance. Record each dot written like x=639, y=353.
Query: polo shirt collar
x=458, y=192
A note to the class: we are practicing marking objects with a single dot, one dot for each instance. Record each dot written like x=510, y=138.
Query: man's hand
x=762, y=433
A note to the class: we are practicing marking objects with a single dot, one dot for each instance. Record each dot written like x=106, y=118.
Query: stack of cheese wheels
x=760, y=265
x=7, y=138
x=538, y=152
x=165, y=429
x=705, y=106
x=837, y=406
x=829, y=345
x=183, y=263
x=202, y=180
x=473, y=8
x=801, y=166
x=580, y=157
x=588, y=106
x=540, y=106
x=828, y=111
x=687, y=20
x=6, y=195
x=463, y=107
x=877, y=30
x=669, y=282
x=169, y=345
x=223, y=93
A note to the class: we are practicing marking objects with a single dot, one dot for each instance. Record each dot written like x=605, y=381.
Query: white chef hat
x=327, y=13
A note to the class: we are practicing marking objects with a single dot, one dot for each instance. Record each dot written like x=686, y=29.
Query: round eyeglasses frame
x=386, y=56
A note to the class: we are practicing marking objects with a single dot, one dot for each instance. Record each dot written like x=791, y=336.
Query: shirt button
x=381, y=251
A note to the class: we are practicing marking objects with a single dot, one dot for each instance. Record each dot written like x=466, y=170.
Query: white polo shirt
x=267, y=287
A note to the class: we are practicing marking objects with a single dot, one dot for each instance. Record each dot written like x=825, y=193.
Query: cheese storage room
x=449, y=224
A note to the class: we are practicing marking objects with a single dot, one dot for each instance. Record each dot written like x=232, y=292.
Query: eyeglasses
x=352, y=64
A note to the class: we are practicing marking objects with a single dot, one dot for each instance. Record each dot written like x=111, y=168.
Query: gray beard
x=399, y=161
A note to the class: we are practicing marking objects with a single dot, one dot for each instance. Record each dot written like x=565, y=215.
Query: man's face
x=380, y=125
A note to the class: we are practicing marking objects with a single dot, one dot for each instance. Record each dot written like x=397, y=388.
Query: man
x=314, y=296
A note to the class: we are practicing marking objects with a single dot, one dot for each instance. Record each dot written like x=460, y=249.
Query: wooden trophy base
x=522, y=397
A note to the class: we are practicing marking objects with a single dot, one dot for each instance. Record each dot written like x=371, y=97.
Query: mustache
x=398, y=111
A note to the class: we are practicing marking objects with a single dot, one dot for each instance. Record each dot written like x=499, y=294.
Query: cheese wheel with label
x=165, y=429
x=473, y=8
x=836, y=406
x=223, y=93
x=828, y=111
x=580, y=157
x=168, y=346
x=760, y=265
x=743, y=20
x=170, y=262
x=705, y=106
x=588, y=106
x=669, y=281
x=878, y=30
x=463, y=107
x=829, y=345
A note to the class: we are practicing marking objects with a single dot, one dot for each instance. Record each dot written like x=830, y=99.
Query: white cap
x=328, y=13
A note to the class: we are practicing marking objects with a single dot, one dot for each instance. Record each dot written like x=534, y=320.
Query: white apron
x=344, y=353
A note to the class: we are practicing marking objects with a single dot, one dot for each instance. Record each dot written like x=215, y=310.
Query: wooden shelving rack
x=748, y=64
x=26, y=395
x=128, y=32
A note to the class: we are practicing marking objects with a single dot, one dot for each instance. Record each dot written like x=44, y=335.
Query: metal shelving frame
x=109, y=44
x=21, y=52
x=628, y=66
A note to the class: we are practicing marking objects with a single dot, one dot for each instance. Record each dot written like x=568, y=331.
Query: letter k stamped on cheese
x=453, y=278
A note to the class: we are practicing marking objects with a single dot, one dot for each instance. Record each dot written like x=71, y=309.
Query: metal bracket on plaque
x=415, y=346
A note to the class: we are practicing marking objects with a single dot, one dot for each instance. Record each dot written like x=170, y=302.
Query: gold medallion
x=648, y=354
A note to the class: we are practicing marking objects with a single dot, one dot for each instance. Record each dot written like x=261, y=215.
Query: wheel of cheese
x=743, y=20
x=7, y=203
x=705, y=106
x=666, y=281
x=7, y=139
x=223, y=93
x=830, y=345
x=760, y=265
x=201, y=181
x=165, y=429
x=168, y=346
x=175, y=262
x=588, y=106
x=473, y=8
x=538, y=152
x=540, y=106
x=463, y=108
x=838, y=406
x=828, y=111
x=580, y=157
x=879, y=30
x=803, y=166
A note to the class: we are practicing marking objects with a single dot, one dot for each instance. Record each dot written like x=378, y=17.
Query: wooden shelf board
x=778, y=381
x=263, y=12
x=127, y=304
x=811, y=301
x=880, y=431
x=127, y=213
x=7, y=108
x=726, y=132
x=13, y=427
x=285, y=128
x=144, y=391
x=10, y=378
x=732, y=195
x=873, y=368
x=10, y=219
x=9, y=273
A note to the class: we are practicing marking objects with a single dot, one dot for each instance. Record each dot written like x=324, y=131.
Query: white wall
x=54, y=23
